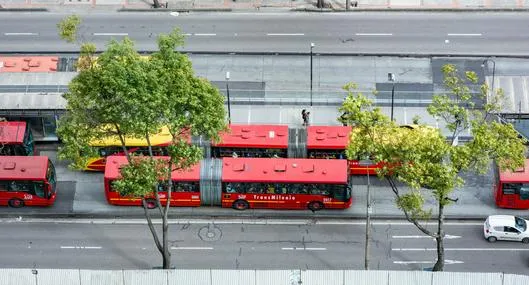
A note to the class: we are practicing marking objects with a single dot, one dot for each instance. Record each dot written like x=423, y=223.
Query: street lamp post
x=485, y=64
x=367, y=163
x=311, y=47
x=228, y=95
x=391, y=78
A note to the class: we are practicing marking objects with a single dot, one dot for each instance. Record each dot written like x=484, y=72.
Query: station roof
x=115, y=162
x=23, y=167
x=327, y=137
x=519, y=176
x=255, y=136
x=284, y=170
x=12, y=132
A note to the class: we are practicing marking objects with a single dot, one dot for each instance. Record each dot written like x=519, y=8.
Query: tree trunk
x=320, y=4
x=156, y=4
x=165, y=218
x=439, y=265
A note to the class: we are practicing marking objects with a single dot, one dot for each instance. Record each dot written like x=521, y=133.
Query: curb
x=262, y=53
x=23, y=10
x=389, y=9
x=235, y=215
x=182, y=10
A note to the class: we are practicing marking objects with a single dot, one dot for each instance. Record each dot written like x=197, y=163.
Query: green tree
x=422, y=158
x=124, y=95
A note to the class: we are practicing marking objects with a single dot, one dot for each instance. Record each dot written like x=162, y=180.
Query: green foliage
x=421, y=157
x=124, y=95
x=68, y=28
x=140, y=176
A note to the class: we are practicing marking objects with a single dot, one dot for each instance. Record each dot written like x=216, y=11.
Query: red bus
x=330, y=142
x=252, y=141
x=27, y=181
x=16, y=139
x=243, y=183
x=185, y=186
x=511, y=189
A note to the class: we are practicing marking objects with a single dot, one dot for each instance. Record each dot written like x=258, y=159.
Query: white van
x=506, y=227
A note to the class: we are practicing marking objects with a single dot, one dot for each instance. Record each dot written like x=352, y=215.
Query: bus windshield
x=50, y=176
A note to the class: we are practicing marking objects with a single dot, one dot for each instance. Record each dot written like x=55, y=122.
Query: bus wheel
x=241, y=205
x=16, y=203
x=315, y=206
x=151, y=204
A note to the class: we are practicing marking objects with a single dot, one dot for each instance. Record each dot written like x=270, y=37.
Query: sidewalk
x=274, y=5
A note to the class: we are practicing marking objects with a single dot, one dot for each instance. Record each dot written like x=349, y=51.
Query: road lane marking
x=205, y=35
x=111, y=34
x=295, y=34
x=304, y=248
x=191, y=248
x=460, y=249
x=464, y=35
x=374, y=34
x=21, y=34
x=81, y=247
x=415, y=237
x=447, y=261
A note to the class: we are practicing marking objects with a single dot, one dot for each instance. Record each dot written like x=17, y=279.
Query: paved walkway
x=270, y=4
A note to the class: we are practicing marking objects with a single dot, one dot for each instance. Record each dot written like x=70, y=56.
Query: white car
x=506, y=227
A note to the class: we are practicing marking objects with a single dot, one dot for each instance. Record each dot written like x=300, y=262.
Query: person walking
x=305, y=117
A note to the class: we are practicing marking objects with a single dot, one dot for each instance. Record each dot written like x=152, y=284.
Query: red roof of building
x=255, y=136
x=520, y=176
x=23, y=167
x=12, y=132
x=28, y=63
x=284, y=170
x=114, y=163
x=327, y=137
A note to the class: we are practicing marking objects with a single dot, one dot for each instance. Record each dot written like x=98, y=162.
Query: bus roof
x=160, y=139
x=284, y=170
x=12, y=132
x=521, y=175
x=327, y=137
x=114, y=163
x=255, y=136
x=23, y=167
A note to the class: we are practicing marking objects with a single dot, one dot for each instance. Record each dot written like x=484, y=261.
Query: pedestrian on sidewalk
x=305, y=117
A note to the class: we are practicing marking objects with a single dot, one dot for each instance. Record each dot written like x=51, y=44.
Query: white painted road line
x=461, y=249
x=374, y=34
x=205, y=35
x=21, y=34
x=111, y=34
x=304, y=248
x=81, y=247
x=272, y=34
x=415, y=237
x=447, y=261
x=464, y=35
x=191, y=248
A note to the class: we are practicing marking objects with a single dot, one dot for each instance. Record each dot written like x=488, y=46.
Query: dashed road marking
x=279, y=34
x=81, y=247
x=21, y=34
x=465, y=35
x=191, y=248
x=374, y=34
x=304, y=248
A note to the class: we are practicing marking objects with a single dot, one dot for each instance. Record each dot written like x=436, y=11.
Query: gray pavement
x=337, y=33
x=232, y=244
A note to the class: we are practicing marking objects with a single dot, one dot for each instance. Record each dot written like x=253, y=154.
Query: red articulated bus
x=330, y=142
x=252, y=141
x=511, y=189
x=185, y=186
x=242, y=183
x=27, y=181
x=16, y=138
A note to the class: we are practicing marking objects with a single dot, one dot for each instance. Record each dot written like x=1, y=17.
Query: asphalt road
x=233, y=245
x=446, y=33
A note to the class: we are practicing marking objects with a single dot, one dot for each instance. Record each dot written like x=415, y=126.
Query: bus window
x=38, y=189
x=29, y=145
x=524, y=192
x=3, y=186
x=509, y=188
